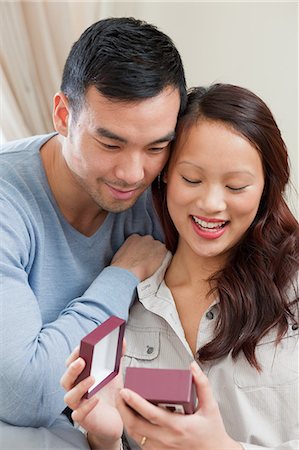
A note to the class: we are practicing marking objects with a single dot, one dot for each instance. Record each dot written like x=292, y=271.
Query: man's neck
x=74, y=203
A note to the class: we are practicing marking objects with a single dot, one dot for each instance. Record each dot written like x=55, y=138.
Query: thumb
x=124, y=347
x=204, y=392
x=121, y=365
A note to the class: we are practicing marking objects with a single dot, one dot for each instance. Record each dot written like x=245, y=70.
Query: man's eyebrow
x=109, y=134
x=167, y=138
x=104, y=132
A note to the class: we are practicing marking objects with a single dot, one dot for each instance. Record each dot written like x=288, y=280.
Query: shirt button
x=210, y=315
x=149, y=350
x=295, y=326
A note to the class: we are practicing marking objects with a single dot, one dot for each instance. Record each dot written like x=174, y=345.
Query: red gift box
x=172, y=389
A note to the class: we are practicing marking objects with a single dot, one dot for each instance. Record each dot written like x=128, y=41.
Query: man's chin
x=119, y=206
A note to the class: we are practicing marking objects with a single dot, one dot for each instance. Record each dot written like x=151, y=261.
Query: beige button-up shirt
x=259, y=410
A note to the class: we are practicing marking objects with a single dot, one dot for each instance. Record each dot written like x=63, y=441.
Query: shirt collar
x=151, y=285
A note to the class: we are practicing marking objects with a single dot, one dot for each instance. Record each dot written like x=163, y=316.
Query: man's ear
x=61, y=113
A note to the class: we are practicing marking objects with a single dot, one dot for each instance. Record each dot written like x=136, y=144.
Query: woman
x=227, y=301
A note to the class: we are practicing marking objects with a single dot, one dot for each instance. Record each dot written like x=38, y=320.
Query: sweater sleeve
x=33, y=353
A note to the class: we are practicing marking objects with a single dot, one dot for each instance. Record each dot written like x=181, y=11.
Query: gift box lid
x=161, y=385
x=101, y=349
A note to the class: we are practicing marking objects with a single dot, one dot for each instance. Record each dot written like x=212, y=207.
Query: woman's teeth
x=208, y=225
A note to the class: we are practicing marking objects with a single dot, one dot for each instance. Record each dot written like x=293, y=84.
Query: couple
x=71, y=199
x=225, y=297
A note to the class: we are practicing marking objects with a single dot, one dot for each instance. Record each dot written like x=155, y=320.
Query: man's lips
x=122, y=194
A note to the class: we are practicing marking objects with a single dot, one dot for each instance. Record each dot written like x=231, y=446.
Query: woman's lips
x=209, y=228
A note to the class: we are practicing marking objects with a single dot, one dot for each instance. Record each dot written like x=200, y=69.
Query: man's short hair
x=125, y=59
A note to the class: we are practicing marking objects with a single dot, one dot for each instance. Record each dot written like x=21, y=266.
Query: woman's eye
x=236, y=189
x=191, y=181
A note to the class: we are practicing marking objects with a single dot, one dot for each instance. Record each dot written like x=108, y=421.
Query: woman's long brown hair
x=254, y=287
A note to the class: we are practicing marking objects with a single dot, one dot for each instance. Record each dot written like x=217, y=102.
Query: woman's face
x=214, y=182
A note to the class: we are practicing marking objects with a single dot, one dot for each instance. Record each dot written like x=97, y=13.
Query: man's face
x=114, y=149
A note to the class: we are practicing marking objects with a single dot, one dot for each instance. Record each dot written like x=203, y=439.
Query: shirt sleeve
x=290, y=445
x=33, y=353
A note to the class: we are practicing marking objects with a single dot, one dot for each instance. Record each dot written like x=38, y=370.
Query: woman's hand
x=97, y=415
x=166, y=430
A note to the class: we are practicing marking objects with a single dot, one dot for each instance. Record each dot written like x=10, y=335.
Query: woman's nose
x=212, y=200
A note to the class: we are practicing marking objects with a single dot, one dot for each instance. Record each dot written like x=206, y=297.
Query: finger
x=74, y=355
x=73, y=397
x=124, y=347
x=131, y=419
x=137, y=426
x=147, y=410
x=79, y=414
x=205, y=396
x=120, y=381
x=69, y=377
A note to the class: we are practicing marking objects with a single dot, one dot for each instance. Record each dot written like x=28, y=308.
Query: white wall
x=254, y=44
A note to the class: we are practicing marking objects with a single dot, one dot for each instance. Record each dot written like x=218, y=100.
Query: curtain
x=35, y=39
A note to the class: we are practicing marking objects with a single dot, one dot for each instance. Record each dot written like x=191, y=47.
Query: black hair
x=125, y=59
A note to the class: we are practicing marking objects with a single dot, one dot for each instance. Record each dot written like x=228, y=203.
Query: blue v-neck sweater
x=54, y=287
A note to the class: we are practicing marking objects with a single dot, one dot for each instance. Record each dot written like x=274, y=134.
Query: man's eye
x=191, y=181
x=111, y=146
x=158, y=149
x=236, y=189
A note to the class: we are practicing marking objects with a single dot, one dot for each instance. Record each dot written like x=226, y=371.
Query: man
x=70, y=199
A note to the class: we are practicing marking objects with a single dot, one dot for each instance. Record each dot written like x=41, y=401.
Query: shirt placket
x=206, y=332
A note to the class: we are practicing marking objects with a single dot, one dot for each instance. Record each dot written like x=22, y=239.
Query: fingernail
x=74, y=363
x=125, y=394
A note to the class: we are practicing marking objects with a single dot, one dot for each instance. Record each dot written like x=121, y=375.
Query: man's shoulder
x=20, y=161
x=29, y=144
x=21, y=175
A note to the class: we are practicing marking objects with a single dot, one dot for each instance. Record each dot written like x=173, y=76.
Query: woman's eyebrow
x=230, y=173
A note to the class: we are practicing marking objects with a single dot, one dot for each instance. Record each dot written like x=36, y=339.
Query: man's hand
x=141, y=255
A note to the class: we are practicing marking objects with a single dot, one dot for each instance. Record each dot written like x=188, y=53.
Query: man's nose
x=130, y=169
